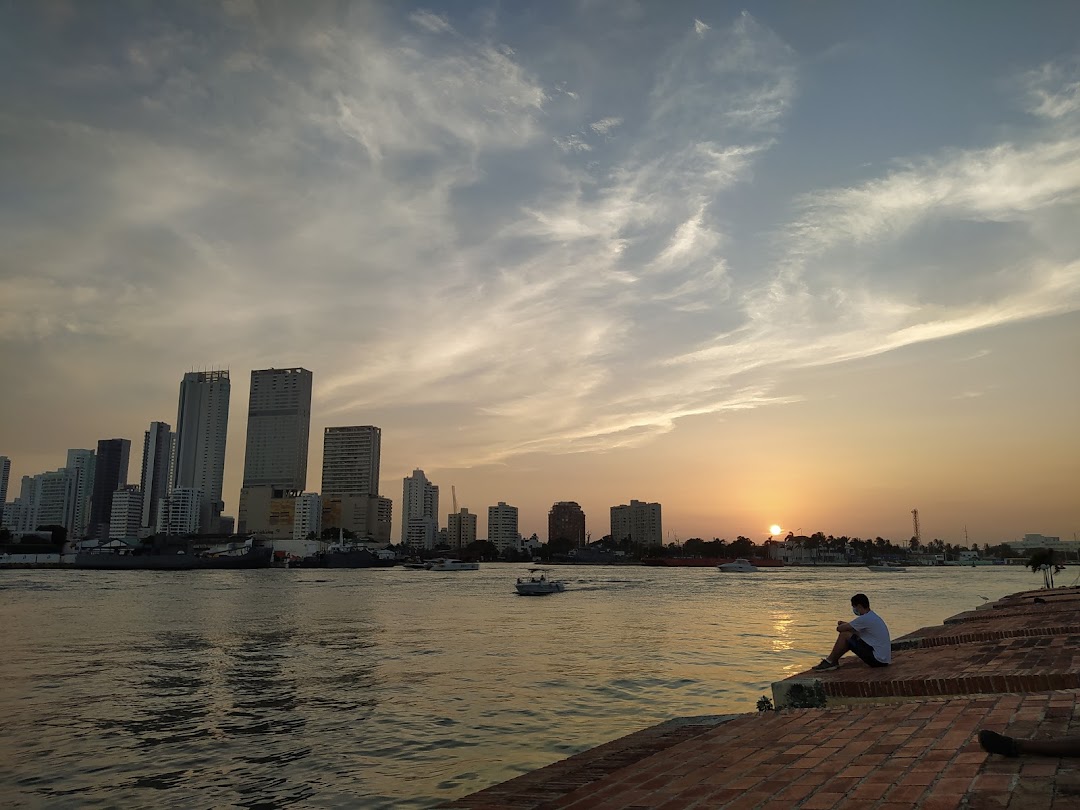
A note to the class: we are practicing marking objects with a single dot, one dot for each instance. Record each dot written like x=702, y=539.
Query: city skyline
x=787, y=265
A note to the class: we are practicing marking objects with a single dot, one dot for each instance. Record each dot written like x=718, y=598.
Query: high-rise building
x=566, y=522
x=202, y=424
x=351, y=460
x=54, y=499
x=110, y=473
x=156, y=464
x=84, y=463
x=279, y=422
x=25, y=506
x=307, y=516
x=419, y=510
x=127, y=511
x=14, y=516
x=180, y=512
x=460, y=529
x=637, y=522
x=5, y=474
x=503, y=526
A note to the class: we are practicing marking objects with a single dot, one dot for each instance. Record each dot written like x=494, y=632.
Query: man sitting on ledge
x=866, y=635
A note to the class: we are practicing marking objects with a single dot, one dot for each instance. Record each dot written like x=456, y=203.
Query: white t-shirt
x=873, y=631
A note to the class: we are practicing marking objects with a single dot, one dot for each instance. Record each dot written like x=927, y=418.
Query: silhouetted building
x=110, y=473
x=279, y=422
x=156, y=468
x=84, y=463
x=566, y=521
x=5, y=474
x=202, y=424
x=276, y=453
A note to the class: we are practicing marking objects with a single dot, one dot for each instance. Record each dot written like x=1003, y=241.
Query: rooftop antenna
x=453, y=493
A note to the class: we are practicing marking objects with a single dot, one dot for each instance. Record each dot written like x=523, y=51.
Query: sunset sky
x=814, y=264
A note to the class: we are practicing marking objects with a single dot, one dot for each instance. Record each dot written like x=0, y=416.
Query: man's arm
x=844, y=627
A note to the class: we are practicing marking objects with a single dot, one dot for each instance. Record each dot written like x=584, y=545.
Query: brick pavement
x=917, y=754
x=1016, y=662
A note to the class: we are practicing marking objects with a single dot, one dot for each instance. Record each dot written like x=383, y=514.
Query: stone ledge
x=955, y=636
x=538, y=788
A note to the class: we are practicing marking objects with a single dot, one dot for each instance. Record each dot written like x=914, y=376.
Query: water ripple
x=389, y=689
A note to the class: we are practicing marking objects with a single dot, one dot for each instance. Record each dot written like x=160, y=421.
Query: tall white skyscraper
x=156, y=464
x=351, y=460
x=279, y=422
x=5, y=474
x=84, y=463
x=638, y=521
x=202, y=424
x=419, y=510
x=503, y=526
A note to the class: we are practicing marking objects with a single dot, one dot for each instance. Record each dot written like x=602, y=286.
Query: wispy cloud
x=475, y=252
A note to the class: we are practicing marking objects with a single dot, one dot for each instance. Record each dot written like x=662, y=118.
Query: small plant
x=765, y=704
x=802, y=696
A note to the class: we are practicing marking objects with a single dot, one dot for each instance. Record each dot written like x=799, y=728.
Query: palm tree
x=1043, y=560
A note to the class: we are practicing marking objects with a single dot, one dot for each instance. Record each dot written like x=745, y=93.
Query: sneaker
x=825, y=664
x=998, y=743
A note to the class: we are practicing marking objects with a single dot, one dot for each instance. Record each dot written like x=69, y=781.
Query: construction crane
x=915, y=522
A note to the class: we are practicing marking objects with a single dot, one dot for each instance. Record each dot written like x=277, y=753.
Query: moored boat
x=247, y=556
x=354, y=557
x=886, y=568
x=167, y=559
x=739, y=566
x=448, y=564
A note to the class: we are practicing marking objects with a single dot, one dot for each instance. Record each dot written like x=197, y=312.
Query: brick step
x=1029, y=664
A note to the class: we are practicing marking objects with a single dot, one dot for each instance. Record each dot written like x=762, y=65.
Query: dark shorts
x=864, y=651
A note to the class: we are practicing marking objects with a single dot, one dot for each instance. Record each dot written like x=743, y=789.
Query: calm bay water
x=394, y=688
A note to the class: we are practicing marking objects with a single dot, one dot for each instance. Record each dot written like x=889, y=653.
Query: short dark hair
x=861, y=600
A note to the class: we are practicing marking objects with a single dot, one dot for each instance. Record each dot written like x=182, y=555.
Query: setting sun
x=775, y=529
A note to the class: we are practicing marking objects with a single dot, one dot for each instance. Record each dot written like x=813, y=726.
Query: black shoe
x=825, y=664
x=998, y=743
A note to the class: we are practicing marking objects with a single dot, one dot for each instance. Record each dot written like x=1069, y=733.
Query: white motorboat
x=539, y=586
x=886, y=568
x=447, y=564
x=739, y=566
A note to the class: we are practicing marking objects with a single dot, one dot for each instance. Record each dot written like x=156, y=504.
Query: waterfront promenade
x=903, y=736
